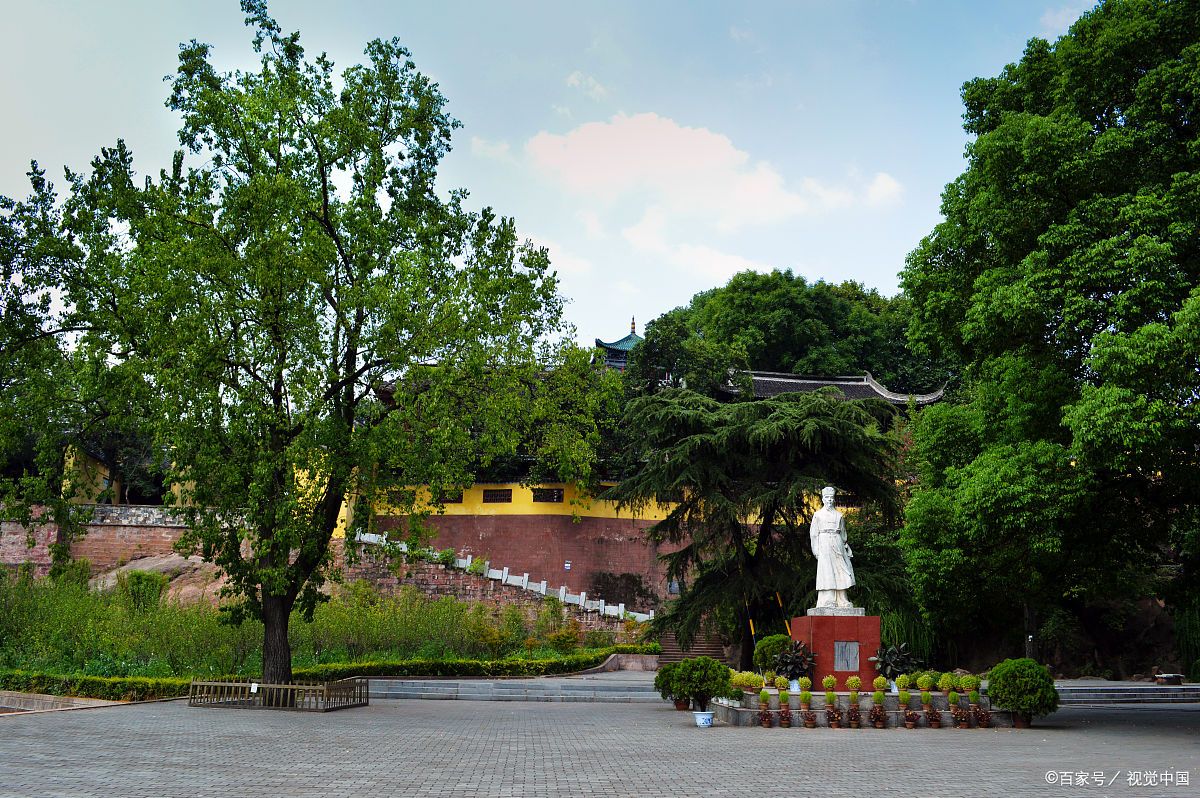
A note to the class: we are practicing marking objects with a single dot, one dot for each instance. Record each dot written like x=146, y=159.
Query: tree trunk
x=277, y=652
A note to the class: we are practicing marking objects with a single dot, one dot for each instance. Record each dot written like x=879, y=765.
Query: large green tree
x=313, y=321
x=1066, y=277
x=743, y=477
x=781, y=322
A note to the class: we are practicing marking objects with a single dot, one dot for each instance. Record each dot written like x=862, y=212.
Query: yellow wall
x=85, y=477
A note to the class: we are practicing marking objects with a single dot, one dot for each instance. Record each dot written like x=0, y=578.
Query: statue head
x=827, y=494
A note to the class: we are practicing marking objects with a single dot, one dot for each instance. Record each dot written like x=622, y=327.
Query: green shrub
x=769, y=649
x=564, y=641
x=763, y=696
x=447, y=557
x=598, y=638
x=805, y=682
x=925, y=683
x=665, y=681
x=968, y=682
x=780, y=682
x=947, y=682
x=108, y=689
x=478, y=566
x=880, y=683
x=830, y=697
x=72, y=572
x=805, y=697
x=1023, y=686
x=701, y=678
x=904, y=697
x=877, y=697
x=830, y=682
x=141, y=591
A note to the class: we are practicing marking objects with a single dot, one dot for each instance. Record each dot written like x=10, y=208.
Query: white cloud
x=491, y=150
x=649, y=237
x=588, y=85
x=592, y=226
x=562, y=110
x=1056, y=21
x=686, y=171
x=884, y=190
x=740, y=35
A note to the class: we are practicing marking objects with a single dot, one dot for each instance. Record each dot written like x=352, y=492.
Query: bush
x=478, y=566
x=665, y=681
x=1023, y=686
x=141, y=591
x=598, y=638
x=947, y=682
x=447, y=557
x=72, y=572
x=830, y=682
x=106, y=688
x=768, y=650
x=701, y=678
x=795, y=661
x=854, y=683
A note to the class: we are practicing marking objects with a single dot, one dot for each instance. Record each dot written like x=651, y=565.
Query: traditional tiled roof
x=623, y=345
x=864, y=386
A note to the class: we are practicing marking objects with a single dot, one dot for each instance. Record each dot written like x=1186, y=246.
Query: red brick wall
x=14, y=548
x=540, y=545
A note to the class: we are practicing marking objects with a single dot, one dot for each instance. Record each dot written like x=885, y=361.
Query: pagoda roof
x=858, y=386
x=623, y=345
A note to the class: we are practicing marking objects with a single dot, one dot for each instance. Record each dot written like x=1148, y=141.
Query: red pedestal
x=821, y=632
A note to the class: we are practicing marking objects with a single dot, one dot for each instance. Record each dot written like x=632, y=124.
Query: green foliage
x=926, y=697
x=763, y=696
x=1024, y=686
x=784, y=696
x=877, y=697
x=829, y=682
x=72, y=572
x=106, y=688
x=830, y=697
x=796, y=662
x=701, y=678
x=973, y=696
x=947, y=682
x=665, y=681
x=780, y=322
x=781, y=682
x=1064, y=280
x=303, y=337
x=904, y=697
x=446, y=557
x=805, y=697
x=902, y=681
x=805, y=682
x=854, y=683
x=141, y=591
x=925, y=681
x=968, y=682
x=892, y=661
x=880, y=683
x=746, y=472
x=478, y=566
x=768, y=650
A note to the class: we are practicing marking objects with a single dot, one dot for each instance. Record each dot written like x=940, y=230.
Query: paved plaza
x=468, y=748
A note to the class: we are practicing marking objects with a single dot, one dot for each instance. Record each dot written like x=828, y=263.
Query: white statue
x=835, y=572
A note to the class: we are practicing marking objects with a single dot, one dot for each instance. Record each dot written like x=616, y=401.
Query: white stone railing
x=511, y=578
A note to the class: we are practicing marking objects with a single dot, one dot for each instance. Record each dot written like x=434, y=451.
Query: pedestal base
x=843, y=644
x=836, y=611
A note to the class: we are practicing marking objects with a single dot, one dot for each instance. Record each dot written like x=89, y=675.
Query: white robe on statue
x=827, y=534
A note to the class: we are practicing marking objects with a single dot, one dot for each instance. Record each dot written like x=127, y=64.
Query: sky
x=655, y=148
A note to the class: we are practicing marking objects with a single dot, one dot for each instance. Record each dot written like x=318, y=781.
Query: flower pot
x=810, y=724
x=908, y=724
x=833, y=724
x=854, y=724
x=1021, y=720
x=926, y=707
x=935, y=724
x=805, y=706
x=682, y=704
x=879, y=724
x=785, y=724
x=766, y=724
x=704, y=720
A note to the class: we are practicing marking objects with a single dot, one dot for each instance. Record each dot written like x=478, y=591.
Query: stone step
x=1129, y=694
x=482, y=690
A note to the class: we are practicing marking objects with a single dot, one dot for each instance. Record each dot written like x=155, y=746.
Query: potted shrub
x=983, y=717
x=935, y=679
x=752, y=682
x=805, y=700
x=794, y=662
x=764, y=717
x=905, y=697
x=880, y=683
x=854, y=715
x=810, y=719
x=973, y=698
x=769, y=678
x=934, y=718
x=699, y=679
x=911, y=716
x=764, y=699
x=952, y=698
x=781, y=683
x=767, y=651
x=785, y=716
x=924, y=684
x=853, y=684
x=666, y=683
x=926, y=701
x=829, y=682
x=947, y=682
x=830, y=698
x=1025, y=687
x=891, y=661
x=962, y=718
x=878, y=713
x=903, y=681
x=833, y=715
x=784, y=698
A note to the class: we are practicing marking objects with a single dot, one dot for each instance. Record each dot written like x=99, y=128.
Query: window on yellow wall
x=497, y=495
x=450, y=497
x=554, y=495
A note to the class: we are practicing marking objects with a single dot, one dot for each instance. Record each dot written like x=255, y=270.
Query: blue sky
x=656, y=148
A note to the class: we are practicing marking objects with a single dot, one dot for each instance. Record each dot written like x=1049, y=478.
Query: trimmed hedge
x=145, y=689
x=469, y=668
x=114, y=688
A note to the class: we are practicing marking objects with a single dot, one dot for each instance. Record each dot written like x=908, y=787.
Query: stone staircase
x=701, y=647
x=1127, y=693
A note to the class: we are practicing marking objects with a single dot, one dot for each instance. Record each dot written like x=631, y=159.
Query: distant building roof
x=616, y=353
x=864, y=386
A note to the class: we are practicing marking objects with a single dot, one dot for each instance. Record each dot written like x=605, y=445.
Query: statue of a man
x=835, y=572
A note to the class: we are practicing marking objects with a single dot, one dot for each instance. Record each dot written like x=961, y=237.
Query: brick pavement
x=464, y=748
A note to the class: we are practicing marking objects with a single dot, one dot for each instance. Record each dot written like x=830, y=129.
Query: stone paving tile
x=535, y=750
